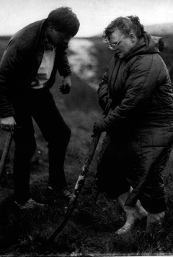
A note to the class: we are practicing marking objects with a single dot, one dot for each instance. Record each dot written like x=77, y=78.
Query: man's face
x=120, y=43
x=58, y=38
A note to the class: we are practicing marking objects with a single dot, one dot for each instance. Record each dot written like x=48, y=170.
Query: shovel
x=78, y=187
x=5, y=152
x=80, y=181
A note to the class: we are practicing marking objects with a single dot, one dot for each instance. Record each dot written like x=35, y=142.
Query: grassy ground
x=91, y=229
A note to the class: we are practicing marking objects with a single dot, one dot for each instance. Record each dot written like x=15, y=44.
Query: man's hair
x=127, y=25
x=64, y=20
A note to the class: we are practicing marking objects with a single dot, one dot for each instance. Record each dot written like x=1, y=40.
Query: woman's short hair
x=64, y=20
x=127, y=25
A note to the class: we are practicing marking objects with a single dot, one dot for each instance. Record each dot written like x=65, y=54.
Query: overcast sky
x=94, y=15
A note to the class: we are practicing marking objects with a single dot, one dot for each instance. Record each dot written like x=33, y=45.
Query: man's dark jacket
x=20, y=63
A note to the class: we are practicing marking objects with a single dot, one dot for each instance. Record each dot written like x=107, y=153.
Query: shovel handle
x=80, y=181
x=5, y=152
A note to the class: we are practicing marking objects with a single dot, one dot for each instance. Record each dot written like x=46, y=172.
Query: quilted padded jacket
x=140, y=88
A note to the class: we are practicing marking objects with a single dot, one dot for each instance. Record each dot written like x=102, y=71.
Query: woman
x=139, y=124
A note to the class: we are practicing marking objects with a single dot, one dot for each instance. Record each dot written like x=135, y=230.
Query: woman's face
x=122, y=44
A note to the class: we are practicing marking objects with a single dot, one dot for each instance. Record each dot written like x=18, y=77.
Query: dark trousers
x=112, y=168
x=122, y=165
x=39, y=105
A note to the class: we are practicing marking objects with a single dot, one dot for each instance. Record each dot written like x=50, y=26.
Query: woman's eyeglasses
x=114, y=45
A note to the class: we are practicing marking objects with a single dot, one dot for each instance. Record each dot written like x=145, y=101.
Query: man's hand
x=66, y=85
x=8, y=123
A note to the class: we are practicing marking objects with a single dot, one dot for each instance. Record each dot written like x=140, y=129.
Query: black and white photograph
x=86, y=128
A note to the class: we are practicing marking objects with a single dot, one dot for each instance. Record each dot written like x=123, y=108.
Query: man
x=139, y=124
x=27, y=72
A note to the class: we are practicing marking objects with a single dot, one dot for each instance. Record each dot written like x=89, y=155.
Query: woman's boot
x=154, y=220
x=132, y=213
x=142, y=213
x=131, y=217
